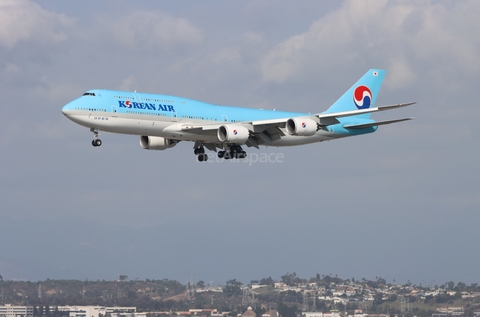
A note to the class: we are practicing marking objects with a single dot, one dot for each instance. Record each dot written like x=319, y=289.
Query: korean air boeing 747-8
x=162, y=121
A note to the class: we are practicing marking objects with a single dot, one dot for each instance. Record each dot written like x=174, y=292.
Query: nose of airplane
x=68, y=108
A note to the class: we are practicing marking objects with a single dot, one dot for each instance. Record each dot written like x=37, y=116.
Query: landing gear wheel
x=202, y=157
x=97, y=142
x=199, y=150
x=233, y=152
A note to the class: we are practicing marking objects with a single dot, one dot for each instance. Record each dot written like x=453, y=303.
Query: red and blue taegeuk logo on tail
x=362, y=97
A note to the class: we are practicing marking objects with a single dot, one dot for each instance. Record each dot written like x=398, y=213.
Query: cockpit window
x=89, y=94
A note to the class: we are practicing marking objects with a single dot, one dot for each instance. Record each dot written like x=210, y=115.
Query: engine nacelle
x=301, y=126
x=156, y=143
x=230, y=133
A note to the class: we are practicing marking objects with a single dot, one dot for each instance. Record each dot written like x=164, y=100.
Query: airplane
x=162, y=121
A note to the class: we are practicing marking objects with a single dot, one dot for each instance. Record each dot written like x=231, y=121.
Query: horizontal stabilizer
x=374, y=124
x=362, y=111
x=400, y=105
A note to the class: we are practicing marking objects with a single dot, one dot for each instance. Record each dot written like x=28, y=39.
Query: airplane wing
x=326, y=119
x=204, y=129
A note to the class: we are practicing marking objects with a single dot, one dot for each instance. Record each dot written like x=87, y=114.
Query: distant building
x=270, y=313
x=202, y=312
x=249, y=313
x=122, y=311
x=451, y=310
x=82, y=311
x=16, y=311
x=333, y=313
x=96, y=311
x=312, y=314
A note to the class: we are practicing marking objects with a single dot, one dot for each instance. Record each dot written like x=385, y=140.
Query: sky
x=402, y=203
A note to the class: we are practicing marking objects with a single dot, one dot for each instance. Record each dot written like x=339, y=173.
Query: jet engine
x=230, y=133
x=156, y=143
x=301, y=126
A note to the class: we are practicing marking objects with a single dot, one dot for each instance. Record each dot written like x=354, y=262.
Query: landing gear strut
x=96, y=141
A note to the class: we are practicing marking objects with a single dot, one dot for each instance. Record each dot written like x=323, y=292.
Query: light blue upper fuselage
x=180, y=109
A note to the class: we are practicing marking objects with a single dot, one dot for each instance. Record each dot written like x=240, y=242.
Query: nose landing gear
x=96, y=141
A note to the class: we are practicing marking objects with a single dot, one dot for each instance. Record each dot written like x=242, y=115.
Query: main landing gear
x=235, y=151
x=96, y=141
x=230, y=152
x=200, y=153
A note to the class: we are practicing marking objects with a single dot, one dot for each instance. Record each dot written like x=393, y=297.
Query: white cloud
x=228, y=55
x=51, y=90
x=11, y=69
x=127, y=83
x=253, y=38
x=145, y=29
x=392, y=35
x=401, y=74
x=22, y=20
x=10, y=72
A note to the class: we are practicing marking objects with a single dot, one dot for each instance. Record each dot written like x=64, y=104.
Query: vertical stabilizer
x=362, y=95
